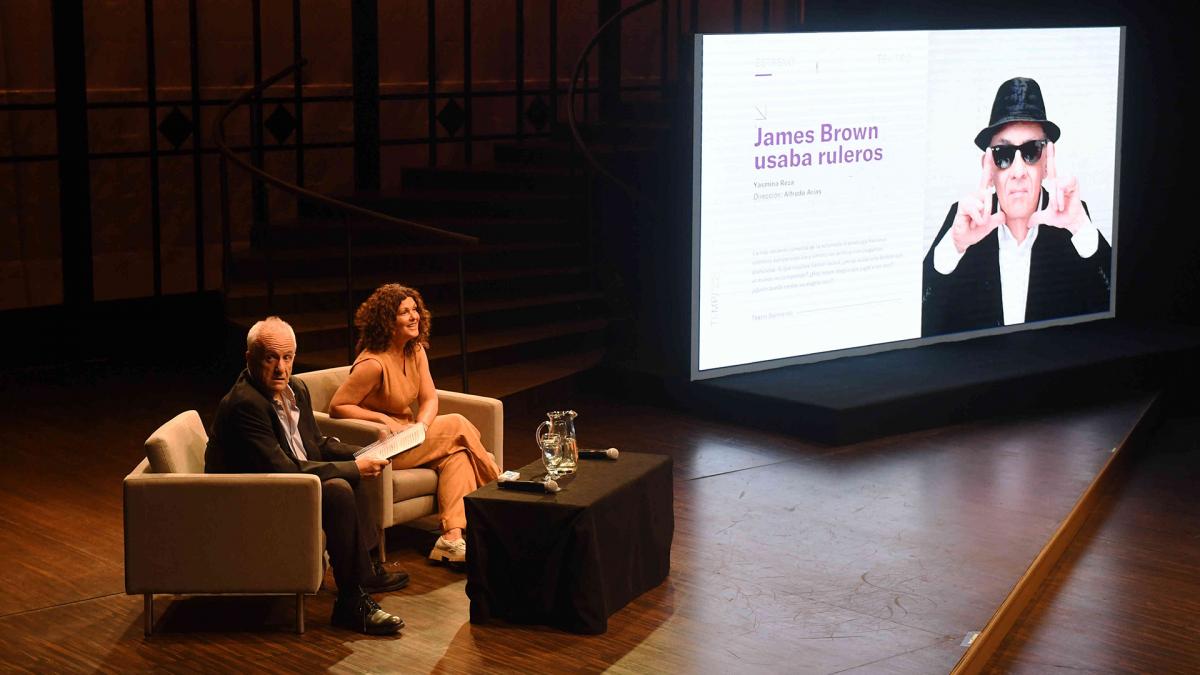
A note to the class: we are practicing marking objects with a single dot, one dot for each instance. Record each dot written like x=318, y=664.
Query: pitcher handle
x=537, y=435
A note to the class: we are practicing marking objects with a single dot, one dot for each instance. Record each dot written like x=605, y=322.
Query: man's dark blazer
x=247, y=437
x=1060, y=282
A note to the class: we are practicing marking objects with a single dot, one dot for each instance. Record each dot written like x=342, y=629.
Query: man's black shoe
x=364, y=615
x=384, y=581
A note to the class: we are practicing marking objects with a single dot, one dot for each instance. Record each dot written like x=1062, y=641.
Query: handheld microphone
x=610, y=453
x=530, y=486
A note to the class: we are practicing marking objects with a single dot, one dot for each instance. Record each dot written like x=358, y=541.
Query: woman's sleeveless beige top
x=401, y=382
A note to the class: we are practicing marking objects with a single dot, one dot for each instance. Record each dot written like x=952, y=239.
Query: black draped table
x=571, y=559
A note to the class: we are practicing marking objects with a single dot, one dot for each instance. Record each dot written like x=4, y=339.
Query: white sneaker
x=449, y=551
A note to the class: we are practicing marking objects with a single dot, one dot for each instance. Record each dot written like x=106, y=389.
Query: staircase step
x=312, y=326
x=337, y=283
x=618, y=134
x=496, y=178
x=420, y=204
x=655, y=108
x=310, y=232
x=470, y=224
x=244, y=251
x=328, y=320
x=564, y=153
x=448, y=347
x=315, y=261
x=506, y=228
x=423, y=281
x=504, y=382
x=486, y=349
x=329, y=293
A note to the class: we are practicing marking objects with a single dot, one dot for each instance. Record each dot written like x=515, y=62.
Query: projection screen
x=854, y=192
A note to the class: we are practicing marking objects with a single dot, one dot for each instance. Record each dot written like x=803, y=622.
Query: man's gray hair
x=256, y=330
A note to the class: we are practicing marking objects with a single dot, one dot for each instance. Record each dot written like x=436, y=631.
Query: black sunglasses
x=1031, y=152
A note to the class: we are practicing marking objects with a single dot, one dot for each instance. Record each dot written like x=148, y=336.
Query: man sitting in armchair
x=265, y=424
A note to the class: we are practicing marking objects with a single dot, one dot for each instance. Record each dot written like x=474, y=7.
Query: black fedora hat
x=1017, y=100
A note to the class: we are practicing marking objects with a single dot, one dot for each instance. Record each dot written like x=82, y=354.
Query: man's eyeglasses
x=1031, y=152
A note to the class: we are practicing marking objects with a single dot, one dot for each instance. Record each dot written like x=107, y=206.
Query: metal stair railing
x=581, y=67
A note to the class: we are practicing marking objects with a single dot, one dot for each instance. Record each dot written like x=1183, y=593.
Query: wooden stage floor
x=788, y=556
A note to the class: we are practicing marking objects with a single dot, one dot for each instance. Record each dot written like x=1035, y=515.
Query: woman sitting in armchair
x=390, y=372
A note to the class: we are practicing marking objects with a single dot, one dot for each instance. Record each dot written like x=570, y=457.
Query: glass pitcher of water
x=556, y=438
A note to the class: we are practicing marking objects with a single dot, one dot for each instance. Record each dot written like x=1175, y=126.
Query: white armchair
x=188, y=532
x=408, y=495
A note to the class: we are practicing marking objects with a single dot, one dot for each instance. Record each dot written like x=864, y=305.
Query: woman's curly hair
x=376, y=319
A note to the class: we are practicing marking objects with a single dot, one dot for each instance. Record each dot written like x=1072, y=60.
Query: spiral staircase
x=514, y=255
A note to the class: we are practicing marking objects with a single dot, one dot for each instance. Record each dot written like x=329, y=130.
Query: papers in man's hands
x=396, y=443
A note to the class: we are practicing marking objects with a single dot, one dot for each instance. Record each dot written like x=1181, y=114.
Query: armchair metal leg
x=382, y=544
x=148, y=613
x=300, y=613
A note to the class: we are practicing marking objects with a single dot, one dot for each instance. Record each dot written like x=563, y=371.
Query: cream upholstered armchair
x=188, y=532
x=408, y=495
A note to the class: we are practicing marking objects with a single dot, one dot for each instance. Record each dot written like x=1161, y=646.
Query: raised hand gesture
x=974, y=219
x=1064, y=208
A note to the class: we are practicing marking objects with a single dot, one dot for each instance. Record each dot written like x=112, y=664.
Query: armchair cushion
x=322, y=384
x=354, y=432
x=178, y=445
x=413, y=483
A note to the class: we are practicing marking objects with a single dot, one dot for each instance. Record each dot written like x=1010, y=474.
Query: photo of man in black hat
x=1021, y=247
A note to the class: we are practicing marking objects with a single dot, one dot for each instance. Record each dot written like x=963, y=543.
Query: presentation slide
x=862, y=191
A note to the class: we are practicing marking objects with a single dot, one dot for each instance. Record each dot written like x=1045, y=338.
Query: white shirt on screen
x=1014, y=264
